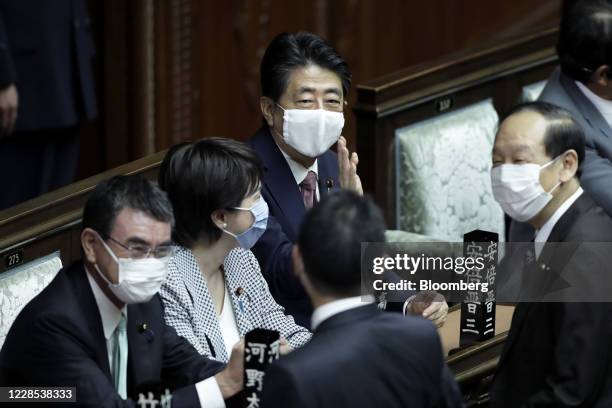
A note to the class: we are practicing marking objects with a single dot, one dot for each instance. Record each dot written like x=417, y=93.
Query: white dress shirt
x=543, y=233
x=330, y=309
x=300, y=172
x=604, y=106
x=110, y=316
x=208, y=390
x=228, y=325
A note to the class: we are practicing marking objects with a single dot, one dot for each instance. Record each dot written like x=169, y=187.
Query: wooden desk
x=474, y=366
x=449, y=333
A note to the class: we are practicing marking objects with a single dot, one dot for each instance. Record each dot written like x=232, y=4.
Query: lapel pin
x=239, y=292
x=145, y=329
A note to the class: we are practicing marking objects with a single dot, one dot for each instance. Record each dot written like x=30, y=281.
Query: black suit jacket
x=46, y=49
x=58, y=340
x=559, y=354
x=364, y=358
x=273, y=250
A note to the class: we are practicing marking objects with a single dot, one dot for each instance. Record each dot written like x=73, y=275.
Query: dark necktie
x=308, y=188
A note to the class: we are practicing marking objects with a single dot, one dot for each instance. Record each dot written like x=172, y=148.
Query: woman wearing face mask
x=215, y=292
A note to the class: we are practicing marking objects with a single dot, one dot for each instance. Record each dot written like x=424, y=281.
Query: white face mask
x=139, y=279
x=311, y=132
x=517, y=189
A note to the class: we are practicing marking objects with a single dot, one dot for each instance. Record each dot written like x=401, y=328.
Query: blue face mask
x=249, y=237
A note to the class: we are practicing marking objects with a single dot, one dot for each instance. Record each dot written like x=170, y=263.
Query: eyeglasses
x=143, y=251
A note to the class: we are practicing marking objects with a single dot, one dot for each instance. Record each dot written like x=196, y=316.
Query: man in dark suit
x=99, y=325
x=304, y=83
x=46, y=89
x=358, y=356
x=559, y=349
x=582, y=86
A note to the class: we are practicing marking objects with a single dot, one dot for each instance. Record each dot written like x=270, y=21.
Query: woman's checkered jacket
x=190, y=310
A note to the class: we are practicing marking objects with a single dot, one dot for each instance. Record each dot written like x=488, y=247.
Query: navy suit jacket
x=560, y=354
x=46, y=50
x=364, y=357
x=281, y=192
x=58, y=340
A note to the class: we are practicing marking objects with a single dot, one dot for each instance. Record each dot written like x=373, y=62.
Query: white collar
x=108, y=311
x=604, y=106
x=543, y=233
x=330, y=309
x=297, y=169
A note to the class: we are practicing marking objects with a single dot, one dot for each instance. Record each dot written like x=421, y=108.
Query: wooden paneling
x=172, y=70
x=51, y=222
x=177, y=81
x=376, y=38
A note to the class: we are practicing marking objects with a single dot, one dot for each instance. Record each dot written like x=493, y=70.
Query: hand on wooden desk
x=431, y=305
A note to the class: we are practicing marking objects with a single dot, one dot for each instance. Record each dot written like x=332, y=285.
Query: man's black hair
x=113, y=195
x=289, y=51
x=585, y=38
x=330, y=241
x=562, y=131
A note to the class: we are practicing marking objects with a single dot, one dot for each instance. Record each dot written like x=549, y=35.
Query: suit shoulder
x=50, y=308
x=594, y=225
x=413, y=326
x=258, y=138
x=330, y=156
x=56, y=295
x=556, y=93
x=419, y=333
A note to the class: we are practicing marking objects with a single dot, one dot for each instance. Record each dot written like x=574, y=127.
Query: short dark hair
x=204, y=176
x=289, y=51
x=113, y=195
x=330, y=241
x=585, y=38
x=562, y=130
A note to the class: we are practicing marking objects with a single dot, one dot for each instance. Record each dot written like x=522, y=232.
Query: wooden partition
x=52, y=221
x=419, y=93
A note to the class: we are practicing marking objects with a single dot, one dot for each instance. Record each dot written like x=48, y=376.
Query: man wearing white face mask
x=304, y=85
x=557, y=354
x=99, y=325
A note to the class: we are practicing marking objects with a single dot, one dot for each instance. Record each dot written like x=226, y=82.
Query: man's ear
x=570, y=165
x=267, y=107
x=89, y=239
